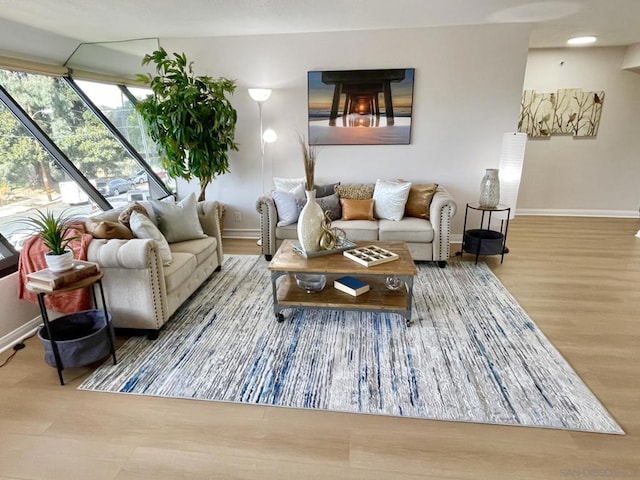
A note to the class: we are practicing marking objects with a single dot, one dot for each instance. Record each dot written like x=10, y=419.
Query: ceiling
x=615, y=22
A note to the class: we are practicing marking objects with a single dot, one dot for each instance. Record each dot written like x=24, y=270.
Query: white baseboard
x=577, y=213
x=19, y=334
x=241, y=233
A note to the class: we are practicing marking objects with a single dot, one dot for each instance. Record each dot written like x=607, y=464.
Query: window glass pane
x=30, y=180
x=140, y=92
x=123, y=115
x=87, y=143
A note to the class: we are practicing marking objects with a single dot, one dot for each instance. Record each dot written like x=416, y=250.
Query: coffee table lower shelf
x=286, y=294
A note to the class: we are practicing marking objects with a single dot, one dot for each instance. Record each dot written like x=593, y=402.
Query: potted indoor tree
x=189, y=117
x=54, y=231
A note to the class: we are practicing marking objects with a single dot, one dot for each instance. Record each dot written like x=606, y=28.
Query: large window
x=120, y=163
x=120, y=111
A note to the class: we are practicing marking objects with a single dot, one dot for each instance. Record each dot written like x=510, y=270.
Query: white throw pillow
x=289, y=185
x=390, y=197
x=288, y=205
x=142, y=227
x=179, y=222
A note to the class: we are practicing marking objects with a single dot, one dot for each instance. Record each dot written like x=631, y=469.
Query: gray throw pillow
x=178, y=221
x=142, y=227
x=326, y=190
x=330, y=203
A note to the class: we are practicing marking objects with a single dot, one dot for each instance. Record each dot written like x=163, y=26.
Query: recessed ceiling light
x=586, y=40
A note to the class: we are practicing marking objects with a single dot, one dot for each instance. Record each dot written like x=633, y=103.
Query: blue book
x=351, y=285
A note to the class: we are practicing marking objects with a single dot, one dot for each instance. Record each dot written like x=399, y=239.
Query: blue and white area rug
x=472, y=355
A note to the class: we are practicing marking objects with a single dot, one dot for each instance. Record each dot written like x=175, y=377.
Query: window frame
x=8, y=264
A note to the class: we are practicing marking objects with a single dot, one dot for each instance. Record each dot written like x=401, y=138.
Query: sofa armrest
x=134, y=253
x=209, y=213
x=268, y=221
x=133, y=281
x=443, y=208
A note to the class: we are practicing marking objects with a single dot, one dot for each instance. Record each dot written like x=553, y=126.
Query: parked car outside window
x=139, y=177
x=118, y=186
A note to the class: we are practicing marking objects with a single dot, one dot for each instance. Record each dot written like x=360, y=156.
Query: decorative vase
x=490, y=189
x=310, y=224
x=59, y=263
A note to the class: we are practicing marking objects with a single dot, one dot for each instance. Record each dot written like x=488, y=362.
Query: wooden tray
x=370, y=255
x=346, y=245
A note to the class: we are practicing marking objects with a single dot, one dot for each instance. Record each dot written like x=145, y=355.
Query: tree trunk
x=203, y=187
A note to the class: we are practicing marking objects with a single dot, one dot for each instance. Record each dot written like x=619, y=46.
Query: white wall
x=631, y=60
x=15, y=315
x=585, y=176
x=468, y=83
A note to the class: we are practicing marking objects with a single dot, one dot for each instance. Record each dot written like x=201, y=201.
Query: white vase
x=310, y=224
x=59, y=263
x=490, y=189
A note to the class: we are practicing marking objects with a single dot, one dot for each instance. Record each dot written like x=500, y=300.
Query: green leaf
x=189, y=112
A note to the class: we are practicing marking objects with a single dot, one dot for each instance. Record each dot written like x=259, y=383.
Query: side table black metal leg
x=480, y=234
x=506, y=230
x=464, y=229
x=110, y=332
x=54, y=345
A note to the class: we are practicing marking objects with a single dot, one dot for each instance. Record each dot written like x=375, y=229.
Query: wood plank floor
x=578, y=278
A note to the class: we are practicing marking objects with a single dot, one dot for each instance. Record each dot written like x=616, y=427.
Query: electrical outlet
x=238, y=217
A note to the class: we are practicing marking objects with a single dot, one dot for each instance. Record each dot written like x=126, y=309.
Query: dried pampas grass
x=309, y=158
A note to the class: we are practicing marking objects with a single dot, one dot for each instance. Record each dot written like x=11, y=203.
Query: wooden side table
x=91, y=281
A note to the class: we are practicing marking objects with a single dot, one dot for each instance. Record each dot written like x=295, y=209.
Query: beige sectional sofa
x=140, y=291
x=427, y=239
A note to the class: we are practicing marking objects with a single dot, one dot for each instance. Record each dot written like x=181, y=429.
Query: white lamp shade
x=260, y=94
x=269, y=136
x=511, y=161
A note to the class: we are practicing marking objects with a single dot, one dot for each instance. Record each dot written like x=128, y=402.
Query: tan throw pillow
x=419, y=201
x=354, y=209
x=108, y=230
x=125, y=217
x=356, y=191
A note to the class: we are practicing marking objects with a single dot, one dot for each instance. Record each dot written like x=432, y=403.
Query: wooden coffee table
x=286, y=293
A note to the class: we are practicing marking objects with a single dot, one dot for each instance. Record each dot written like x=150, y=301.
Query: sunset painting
x=360, y=107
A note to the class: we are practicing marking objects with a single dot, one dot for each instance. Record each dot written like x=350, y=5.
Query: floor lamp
x=511, y=161
x=261, y=95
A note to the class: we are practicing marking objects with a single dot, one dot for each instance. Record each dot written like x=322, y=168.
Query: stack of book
x=50, y=281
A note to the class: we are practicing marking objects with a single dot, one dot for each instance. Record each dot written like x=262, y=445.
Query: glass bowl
x=311, y=282
x=393, y=283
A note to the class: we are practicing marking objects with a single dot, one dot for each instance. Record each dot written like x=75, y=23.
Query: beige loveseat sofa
x=140, y=291
x=427, y=239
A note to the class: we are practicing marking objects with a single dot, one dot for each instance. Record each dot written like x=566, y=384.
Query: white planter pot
x=59, y=263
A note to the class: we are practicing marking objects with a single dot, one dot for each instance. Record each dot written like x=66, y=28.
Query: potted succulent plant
x=54, y=230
